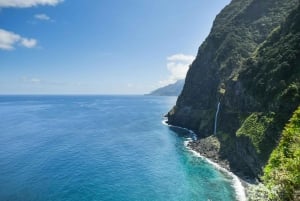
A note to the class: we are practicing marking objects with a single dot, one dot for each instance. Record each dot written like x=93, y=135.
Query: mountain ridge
x=169, y=90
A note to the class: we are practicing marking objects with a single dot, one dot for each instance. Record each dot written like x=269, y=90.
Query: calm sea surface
x=85, y=148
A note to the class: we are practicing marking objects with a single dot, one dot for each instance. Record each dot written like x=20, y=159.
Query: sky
x=99, y=46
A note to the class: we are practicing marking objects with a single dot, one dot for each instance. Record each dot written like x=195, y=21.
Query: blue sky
x=99, y=46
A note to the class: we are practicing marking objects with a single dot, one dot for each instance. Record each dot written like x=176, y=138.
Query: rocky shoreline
x=209, y=148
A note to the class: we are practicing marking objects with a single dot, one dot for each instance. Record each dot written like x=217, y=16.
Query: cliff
x=250, y=64
x=169, y=90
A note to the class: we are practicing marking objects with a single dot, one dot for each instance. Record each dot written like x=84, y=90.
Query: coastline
x=210, y=155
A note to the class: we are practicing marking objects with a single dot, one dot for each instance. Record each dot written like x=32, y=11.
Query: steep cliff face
x=250, y=64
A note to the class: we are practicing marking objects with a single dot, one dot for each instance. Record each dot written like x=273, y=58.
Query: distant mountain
x=169, y=90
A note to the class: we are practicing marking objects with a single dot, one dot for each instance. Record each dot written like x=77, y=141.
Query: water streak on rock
x=216, y=118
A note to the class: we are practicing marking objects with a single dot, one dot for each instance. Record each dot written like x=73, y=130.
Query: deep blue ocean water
x=85, y=148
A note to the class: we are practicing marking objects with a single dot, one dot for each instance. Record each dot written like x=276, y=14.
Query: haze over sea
x=110, y=148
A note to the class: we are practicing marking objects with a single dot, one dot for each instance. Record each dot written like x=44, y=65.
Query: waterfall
x=216, y=118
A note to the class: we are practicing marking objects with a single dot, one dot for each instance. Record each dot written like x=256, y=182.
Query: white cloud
x=31, y=80
x=42, y=17
x=27, y=3
x=35, y=80
x=29, y=43
x=178, y=66
x=9, y=39
x=182, y=58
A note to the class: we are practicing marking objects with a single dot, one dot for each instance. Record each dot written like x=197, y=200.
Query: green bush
x=283, y=168
x=255, y=127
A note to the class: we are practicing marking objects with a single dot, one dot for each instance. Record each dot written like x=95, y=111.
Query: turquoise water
x=114, y=148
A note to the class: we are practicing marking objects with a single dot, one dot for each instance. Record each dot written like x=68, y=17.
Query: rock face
x=250, y=64
x=169, y=90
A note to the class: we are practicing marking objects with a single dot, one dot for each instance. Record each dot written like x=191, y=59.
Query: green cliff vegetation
x=255, y=127
x=272, y=75
x=282, y=172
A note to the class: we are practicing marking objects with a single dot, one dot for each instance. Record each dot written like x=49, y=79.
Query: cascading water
x=216, y=118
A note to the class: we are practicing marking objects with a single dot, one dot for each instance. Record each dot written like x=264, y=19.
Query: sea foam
x=239, y=188
x=192, y=134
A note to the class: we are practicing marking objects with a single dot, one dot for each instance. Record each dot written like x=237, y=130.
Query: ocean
x=100, y=148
